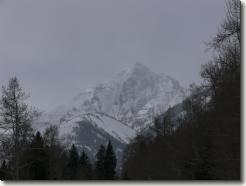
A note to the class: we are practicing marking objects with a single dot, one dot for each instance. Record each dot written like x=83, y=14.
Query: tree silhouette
x=38, y=159
x=3, y=171
x=99, y=167
x=72, y=165
x=85, y=169
x=15, y=121
x=109, y=163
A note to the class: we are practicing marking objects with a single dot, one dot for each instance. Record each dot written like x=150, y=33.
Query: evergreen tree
x=99, y=169
x=72, y=165
x=38, y=159
x=85, y=171
x=109, y=163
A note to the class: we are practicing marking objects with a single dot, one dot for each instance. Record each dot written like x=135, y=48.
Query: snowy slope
x=116, y=109
x=133, y=96
x=101, y=121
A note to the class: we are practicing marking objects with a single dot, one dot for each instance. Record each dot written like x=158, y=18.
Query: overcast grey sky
x=57, y=48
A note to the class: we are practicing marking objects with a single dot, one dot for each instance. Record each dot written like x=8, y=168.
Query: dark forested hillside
x=206, y=143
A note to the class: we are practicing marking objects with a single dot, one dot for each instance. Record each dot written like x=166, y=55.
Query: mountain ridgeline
x=115, y=110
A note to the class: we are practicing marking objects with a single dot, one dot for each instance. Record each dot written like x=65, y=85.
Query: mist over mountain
x=114, y=110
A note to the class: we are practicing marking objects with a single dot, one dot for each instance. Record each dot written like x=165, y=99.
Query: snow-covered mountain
x=115, y=110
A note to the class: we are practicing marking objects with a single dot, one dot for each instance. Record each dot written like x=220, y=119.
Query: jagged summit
x=138, y=70
x=116, y=109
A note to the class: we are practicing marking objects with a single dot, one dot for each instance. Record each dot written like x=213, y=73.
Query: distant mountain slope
x=116, y=109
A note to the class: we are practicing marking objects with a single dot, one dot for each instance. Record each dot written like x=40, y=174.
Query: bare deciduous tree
x=15, y=121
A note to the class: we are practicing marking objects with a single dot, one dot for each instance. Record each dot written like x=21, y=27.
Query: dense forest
x=45, y=158
x=202, y=143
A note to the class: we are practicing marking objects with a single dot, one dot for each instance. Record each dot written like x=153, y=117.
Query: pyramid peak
x=140, y=67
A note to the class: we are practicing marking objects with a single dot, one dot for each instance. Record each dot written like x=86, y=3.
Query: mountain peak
x=140, y=70
x=137, y=70
x=117, y=109
x=140, y=66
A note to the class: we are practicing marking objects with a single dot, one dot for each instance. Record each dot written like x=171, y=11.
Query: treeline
x=44, y=158
x=28, y=155
x=204, y=142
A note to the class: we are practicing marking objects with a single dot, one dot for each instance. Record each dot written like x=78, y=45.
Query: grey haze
x=57, y=48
